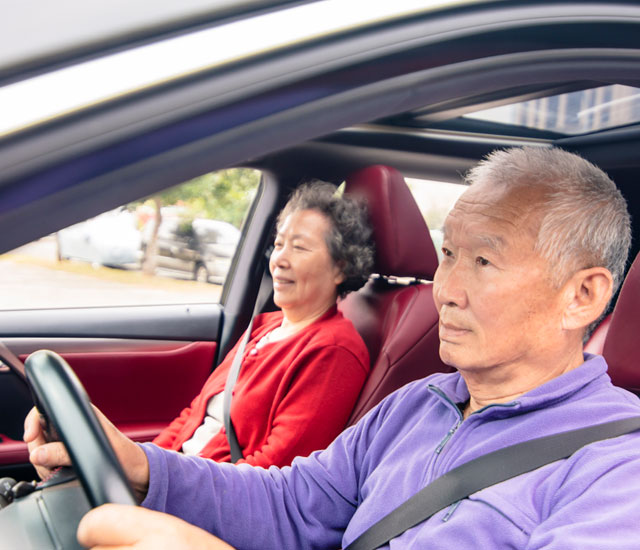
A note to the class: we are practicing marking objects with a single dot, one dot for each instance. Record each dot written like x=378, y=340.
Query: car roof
x=389, y=90
x=72, y=30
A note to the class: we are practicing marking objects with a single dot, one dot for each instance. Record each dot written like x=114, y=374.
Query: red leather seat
x=620, y=346
x=398, y=322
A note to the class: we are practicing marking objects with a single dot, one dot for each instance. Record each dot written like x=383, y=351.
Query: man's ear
x=587, y=294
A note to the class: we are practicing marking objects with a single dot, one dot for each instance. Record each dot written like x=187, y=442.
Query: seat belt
x=261, y=299
x=483, y=472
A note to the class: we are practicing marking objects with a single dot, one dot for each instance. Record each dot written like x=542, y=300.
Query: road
x=31, y=277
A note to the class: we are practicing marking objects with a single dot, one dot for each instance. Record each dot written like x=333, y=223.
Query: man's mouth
x=449, y=331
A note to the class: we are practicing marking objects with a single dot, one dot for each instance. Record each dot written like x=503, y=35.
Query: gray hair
x=349, y=239
x=585, y=223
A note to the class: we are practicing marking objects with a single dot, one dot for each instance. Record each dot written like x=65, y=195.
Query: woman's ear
x=587, y=292
x=338, y=271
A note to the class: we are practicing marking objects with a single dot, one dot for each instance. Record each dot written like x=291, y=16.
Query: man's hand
x=120, y=527
x=48, y=456
x=44, y=456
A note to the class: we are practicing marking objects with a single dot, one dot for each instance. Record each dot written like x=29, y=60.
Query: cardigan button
x=253, y=351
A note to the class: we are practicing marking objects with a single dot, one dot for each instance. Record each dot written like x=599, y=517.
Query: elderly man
x=533, y=251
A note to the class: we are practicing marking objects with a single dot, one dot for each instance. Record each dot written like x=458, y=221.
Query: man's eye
x=482, y=261
x=446, y=252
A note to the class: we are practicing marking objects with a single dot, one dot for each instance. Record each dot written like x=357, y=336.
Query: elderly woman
x=303, y=367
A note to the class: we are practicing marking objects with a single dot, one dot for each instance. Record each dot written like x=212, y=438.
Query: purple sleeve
x=307, y=505
x=595, y=504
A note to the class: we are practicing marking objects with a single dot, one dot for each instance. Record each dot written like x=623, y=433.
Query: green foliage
x=185, y=228
x=224, y=195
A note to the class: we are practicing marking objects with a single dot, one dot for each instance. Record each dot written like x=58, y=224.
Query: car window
x=125, y=257
x=571, y=113
x=435, y=199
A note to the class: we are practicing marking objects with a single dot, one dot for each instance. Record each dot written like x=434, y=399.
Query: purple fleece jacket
x=589, y=501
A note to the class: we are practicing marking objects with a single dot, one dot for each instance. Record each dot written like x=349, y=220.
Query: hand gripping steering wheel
x=53, y=513
x=61, y=398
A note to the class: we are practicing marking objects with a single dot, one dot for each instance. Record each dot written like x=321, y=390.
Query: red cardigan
x=292, y=397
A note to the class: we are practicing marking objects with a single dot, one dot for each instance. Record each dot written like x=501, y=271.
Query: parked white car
x=110, y=239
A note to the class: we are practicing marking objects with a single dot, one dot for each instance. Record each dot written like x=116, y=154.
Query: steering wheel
x=48, y=517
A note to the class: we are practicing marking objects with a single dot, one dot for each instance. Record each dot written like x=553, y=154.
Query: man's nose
x=449, y=285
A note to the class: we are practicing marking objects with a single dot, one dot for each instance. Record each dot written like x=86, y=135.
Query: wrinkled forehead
x=496, y=213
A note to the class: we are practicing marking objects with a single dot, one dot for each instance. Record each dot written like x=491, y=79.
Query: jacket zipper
x=453, y=507
x=447, y=437
x=459, y=420
x=455, y=427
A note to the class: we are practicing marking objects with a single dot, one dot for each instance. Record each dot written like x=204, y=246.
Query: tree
x=224, y=195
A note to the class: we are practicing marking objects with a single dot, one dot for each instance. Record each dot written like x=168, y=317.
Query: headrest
x=620, y=348
x=403, y=244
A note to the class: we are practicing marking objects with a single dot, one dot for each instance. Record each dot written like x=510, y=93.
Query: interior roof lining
x=441, y=82
x=482, y=25
x=156, y=172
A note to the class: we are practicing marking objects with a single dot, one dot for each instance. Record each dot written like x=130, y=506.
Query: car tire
x=201, y=275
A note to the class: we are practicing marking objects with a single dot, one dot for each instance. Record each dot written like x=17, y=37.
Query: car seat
x=620, y=348
x=394, y=312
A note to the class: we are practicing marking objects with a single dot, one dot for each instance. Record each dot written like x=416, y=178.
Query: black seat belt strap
x=263, y=294
x=483, y=472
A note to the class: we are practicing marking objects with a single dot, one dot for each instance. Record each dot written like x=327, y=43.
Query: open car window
x=125, y=257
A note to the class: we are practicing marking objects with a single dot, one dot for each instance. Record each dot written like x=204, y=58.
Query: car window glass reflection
x=174, y=247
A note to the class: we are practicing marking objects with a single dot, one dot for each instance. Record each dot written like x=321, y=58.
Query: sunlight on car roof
x=45, y=97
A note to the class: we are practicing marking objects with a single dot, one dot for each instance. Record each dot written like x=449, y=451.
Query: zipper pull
x=447, y=437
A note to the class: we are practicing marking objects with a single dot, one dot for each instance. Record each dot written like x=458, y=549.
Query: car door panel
x=141, y=384
x=159, y=380
x=15, y=402
x=188, y=322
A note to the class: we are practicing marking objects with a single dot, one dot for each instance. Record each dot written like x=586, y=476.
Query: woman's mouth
x=281, y=282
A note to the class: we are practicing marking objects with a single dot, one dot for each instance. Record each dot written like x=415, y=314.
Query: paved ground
x=31, y=277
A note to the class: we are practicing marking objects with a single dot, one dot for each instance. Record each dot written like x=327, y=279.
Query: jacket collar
x=594, y=368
